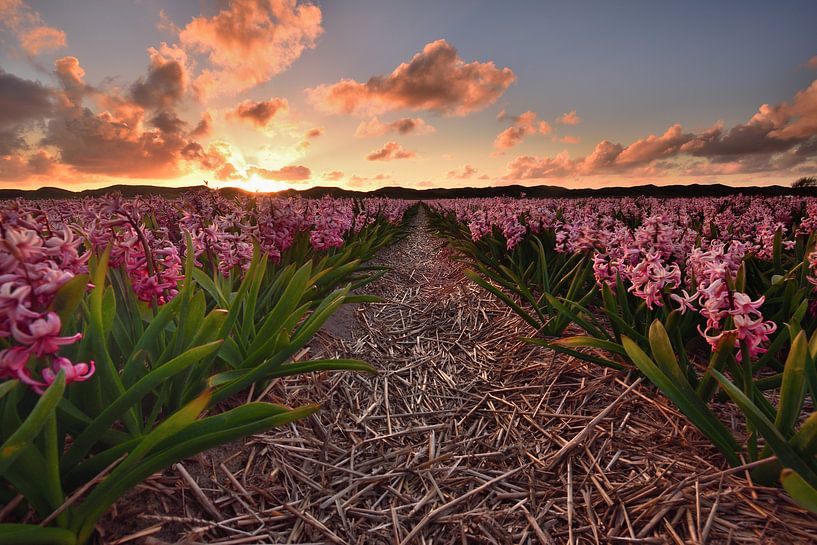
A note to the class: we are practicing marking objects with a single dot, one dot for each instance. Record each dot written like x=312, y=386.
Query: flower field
x=710, y=299
x=126, y=324
x=139, y=333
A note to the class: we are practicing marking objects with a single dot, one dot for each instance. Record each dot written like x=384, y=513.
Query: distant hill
x=541, y=191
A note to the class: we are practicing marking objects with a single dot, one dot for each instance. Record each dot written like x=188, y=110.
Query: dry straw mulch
x=467, y=435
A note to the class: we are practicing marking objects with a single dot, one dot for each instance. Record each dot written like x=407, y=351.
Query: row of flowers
x=45, y=244
x=128, y=327
x=663, y=253
x=700, y=295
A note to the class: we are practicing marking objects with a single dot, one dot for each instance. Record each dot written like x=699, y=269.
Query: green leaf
x=107, y=492
x=663, y=353
x=25, y=434
x=687, y=401
x=805, y=440
x=799, y=489
x=784, y=451
x=148, y=384
x=582, y=341
x=7, y=386
x=792, y=388
x=69, y=296
x=28, y=534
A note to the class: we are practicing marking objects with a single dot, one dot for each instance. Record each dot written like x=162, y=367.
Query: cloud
x=292, y=173
x=216, y=158
x=404, y=125
x=332, y=176
x=569, y=139
x=309, y=135
x=167, y=79
x=22, y=100
x=435, y=79
x=360, y=181
x=26, y=24
x=71, y=77
x=23, y=103
x=390, y=150
x=812, y=63
x=570, y=118
x=314, y=133
x=42, y=38
x=466, y=172
x=777, y=138
x=119, y=140
x=259, y=113
x=17, y=167
x=654, y=147
x=204, y=127
x=523, y=125
x=250, y=41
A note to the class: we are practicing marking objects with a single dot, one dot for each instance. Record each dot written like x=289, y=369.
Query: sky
x=275, y=94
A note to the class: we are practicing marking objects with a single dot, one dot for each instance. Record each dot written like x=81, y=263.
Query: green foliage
x=161, y=375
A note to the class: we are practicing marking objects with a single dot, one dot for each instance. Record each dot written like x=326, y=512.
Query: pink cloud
x=523, y=125
x=405, y=125
x=569, y=139
x=570, y=118
x=250, y=41
x=435, y=79
x=333, y=176
x=777, y=138
x=812, y=63
x=390, y=150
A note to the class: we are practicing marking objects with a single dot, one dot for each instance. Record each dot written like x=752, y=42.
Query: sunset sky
x=270, y=94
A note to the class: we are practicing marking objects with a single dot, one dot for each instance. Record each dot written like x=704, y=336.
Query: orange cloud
x=569, y=139
x=292, y=173
x=204, y=127
x=404, y=125
x=42, y=38
x=259, y=113
x=216, y=159
x=570, y=118
x=121, y=139
x=26, y=24
x=523, y=125
x=390, y=150
x=435, y=79
x=466, y=172
x=812, y=63
x=333, y=176
x=360, y=181
x=250, y=41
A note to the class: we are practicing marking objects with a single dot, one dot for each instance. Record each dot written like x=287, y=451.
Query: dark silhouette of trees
x=805, y=181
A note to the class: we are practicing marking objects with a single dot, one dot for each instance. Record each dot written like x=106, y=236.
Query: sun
x=262, y=185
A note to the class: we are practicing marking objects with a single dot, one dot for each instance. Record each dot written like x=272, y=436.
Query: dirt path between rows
x=467, y=435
